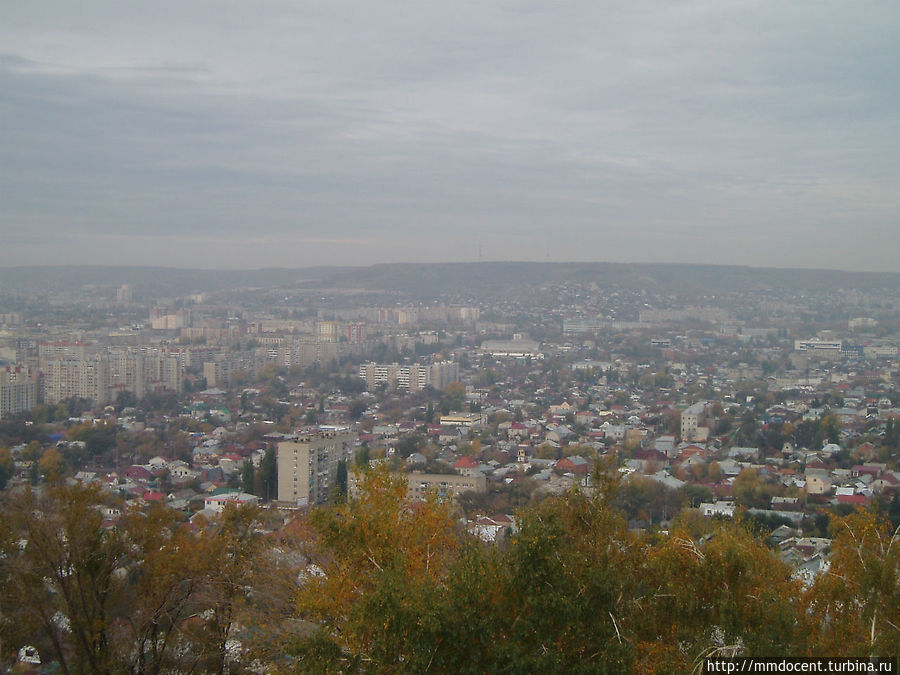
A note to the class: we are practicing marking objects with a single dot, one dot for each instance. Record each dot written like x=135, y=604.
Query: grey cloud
x=624, y=131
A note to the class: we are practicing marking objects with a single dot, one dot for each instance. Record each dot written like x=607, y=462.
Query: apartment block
x=18, y=390
x=410, y=377
x=419, y=485
x=307, y=465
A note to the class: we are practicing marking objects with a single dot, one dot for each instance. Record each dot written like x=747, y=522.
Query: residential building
x=690, y=421
x=307, y=465
x=18, y=390
x=79, y=378
x=410, y=377
x=419, y=485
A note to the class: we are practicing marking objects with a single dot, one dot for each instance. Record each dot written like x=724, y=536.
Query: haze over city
x=244, y=135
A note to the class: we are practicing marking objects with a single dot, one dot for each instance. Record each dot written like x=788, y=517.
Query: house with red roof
x=137, y=473
x=466, y=465
x=574, y=464
x=855, y=500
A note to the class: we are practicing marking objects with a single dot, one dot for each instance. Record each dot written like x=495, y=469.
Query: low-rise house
x=491, y=530
x=574, y=464
x=872, y=469
x=818, y=483
x=665, y=445
x=718, y=508
x=137, y=472
x=467, y=465
x=217, y=503
x=785, y=503
x=853, y=499
x=665, y=478
x=746, y=453
x=890, y=480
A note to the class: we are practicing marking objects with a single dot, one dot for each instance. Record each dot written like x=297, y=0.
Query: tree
x=714, y=471
x=454, y=397
x=340, y=483
x=60, y=587
x=357, y=408
x=7, y=467
x=269, y=471
x=247, y=477
x=856, y=600
x=147, y=596
x=362, y=457
x=233, y=547
x=546, y=451
x=52, y=465
x=727, y=592
x=381, y=564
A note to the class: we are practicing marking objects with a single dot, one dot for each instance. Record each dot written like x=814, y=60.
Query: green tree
x=340, y=483
x=147, y=596
x=7, y=467
x=362, y=457
x=269, y=472
x=248, y=476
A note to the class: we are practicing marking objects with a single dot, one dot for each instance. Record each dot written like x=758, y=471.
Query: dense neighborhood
x=777, y=410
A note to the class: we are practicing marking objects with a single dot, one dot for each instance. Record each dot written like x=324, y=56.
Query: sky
x=223, y=134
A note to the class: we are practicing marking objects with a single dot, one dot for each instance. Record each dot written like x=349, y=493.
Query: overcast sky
x=201, y=133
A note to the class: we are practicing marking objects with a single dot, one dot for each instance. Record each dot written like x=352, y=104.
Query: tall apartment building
x=81, y=378
x=307, y=465
x=327, y=331
x=125, y=293
x=356, y=332
x=220, y=371
x=18, y=390
x=161, y=319
x=61, y=351
x=141, y=370
x=126, y=372
x=412, y=378
x=101, y=376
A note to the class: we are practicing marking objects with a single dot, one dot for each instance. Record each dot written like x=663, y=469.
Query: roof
x=466, y=462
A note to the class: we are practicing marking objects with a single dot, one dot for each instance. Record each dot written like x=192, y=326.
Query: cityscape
x=449, y=338
x=694, y=399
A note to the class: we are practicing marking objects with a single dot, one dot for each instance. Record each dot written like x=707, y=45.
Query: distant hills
x=426, y=280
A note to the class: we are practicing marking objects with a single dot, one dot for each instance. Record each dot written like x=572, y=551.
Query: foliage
x=150, y=595
x=268, y=470
x=648, y=500
x=383, y=560
x=398, y=587
x=248, y=477
x=725, y=592
x=858, y=599
x=7, y=467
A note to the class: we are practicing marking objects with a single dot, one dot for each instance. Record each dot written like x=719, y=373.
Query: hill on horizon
x=421, y=280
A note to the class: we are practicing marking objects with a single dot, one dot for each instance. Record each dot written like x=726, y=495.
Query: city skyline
x=231, y=135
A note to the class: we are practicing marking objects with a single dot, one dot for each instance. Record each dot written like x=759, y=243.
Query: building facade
x=409, y=377
x=18, y=390
x=307, y=465
x=419, y=485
